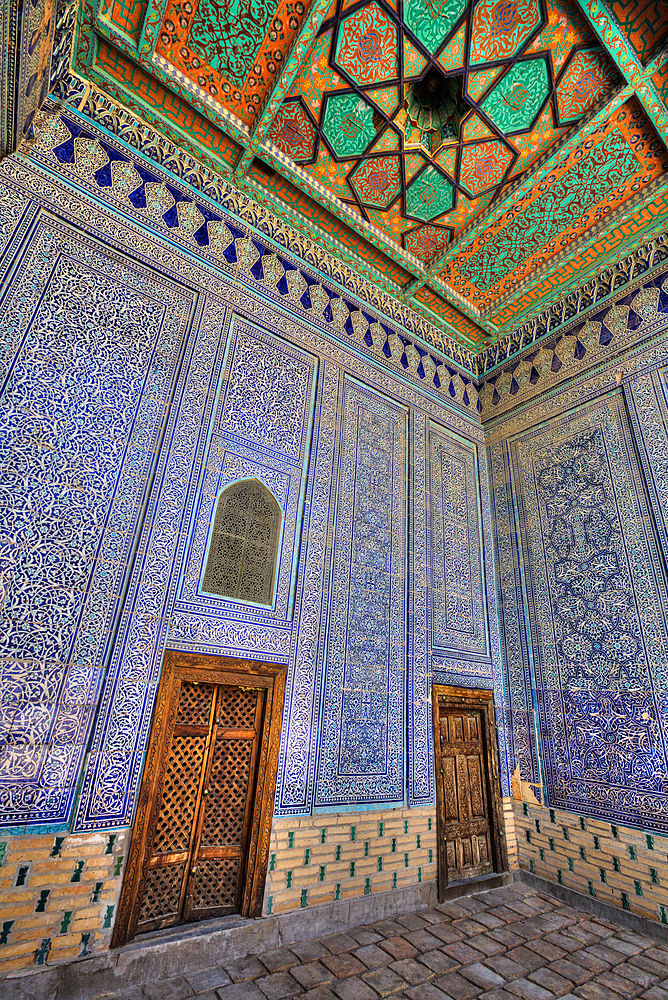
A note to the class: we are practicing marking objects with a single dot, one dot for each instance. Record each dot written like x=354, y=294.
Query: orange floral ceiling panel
x=232, y=49
x=566, y=29
x=615, y=162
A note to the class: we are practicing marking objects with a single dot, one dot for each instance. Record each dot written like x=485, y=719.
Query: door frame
x=469, y=698
x=207, y=669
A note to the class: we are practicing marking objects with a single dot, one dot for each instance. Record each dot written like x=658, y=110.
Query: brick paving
x=504, y=944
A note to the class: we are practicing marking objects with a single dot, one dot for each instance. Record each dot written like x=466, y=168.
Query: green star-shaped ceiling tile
x=518, y=97
x=348, y=124
x=429, y=195
x=432, y=20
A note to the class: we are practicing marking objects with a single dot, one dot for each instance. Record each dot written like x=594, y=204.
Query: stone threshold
x=466, y=887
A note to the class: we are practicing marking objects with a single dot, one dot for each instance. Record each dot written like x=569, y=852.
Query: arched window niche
x=243, y=550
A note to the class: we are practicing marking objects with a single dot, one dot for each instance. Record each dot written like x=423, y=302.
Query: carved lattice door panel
x=200, y=842
x=167, y=876
x=466, y=819
x=216, y=876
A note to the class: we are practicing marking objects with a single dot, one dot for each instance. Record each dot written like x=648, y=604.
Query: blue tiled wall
x=141, y=378
x=579, y=499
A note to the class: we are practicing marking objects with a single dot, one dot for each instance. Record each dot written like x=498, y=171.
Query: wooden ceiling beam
x=298, y=53
x=627, y=61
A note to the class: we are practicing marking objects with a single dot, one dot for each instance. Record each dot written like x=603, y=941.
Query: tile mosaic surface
x=458, y=607
x=361, y=748
x=329, y=96
x=110, y=170
x=213, y=314
x=264, y=382
x=597, y=336
x=26, y=37
x=80, y=325
x=582, y=614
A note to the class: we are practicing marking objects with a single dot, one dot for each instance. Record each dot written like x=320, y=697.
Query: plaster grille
x=244, y=545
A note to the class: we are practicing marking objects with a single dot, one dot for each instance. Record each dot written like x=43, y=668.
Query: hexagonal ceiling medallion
x=586, y=78
x=377, y=181
x=366, y=48
x=348, y=124
x=429, y=195
x=484, y=165
x=500, y=28
x=427, y=242
x=515, y=101
x=293, y=132
x=431, y=20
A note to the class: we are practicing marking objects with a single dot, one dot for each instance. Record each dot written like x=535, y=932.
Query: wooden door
x=466, y=821
x=217, y=873
x=468, y=800
x=200, y=842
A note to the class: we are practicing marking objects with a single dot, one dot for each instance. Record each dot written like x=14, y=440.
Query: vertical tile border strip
x=294, y=785
x=420, y=738
x=492, y=619
x=513, y=677
x=645, y=394
x=346, y=690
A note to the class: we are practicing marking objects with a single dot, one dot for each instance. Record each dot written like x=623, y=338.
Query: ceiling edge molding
x=573, y=308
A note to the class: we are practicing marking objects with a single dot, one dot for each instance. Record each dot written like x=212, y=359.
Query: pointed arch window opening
x=242, y=555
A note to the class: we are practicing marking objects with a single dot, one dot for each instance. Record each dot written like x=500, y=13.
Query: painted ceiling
x=476, y=158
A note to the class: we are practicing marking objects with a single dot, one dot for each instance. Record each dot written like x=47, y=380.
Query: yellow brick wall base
x=58, y=896
x=619, y=865
x=323, y=858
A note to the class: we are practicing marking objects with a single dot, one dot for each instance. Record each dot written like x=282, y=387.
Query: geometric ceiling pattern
x=475, y=158
x=527, y=72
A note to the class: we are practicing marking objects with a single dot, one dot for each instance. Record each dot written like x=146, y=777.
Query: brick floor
x=505, y=944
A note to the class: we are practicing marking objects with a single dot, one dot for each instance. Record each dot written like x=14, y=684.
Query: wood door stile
x=468, y=798
x=200, y=843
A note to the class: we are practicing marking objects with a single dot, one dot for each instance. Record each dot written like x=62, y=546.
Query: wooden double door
x=469, y=820
x=201, y=837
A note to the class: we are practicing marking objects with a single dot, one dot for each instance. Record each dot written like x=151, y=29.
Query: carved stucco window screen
x=243, y=551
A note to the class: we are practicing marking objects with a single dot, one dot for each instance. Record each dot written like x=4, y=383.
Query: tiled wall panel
x=91, y=343
x=593, y=599
x=362, y=740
